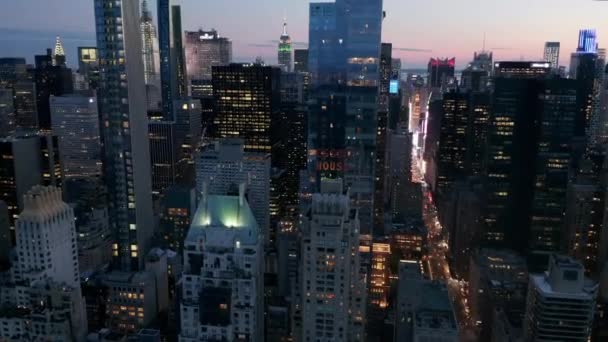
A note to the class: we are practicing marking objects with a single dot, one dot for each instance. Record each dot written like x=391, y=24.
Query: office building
x=300, y=60
x=382, y=122
x=562, y=294
x=188, y=133
x=522, y=69
x=333, y=290
x=476, y=76
x=452, y=150
x=178, y=56
x=285, y=54
x=88, y=66
x=163, y=154
x=75, y=121
x=88, y=198
x=325, y=46
x=551, y=54
x=7, y=112
x=204, y=50
x=222, y=284
x=498, y=280
x=584, y=216
x=50, y=80
x=222, y=166
x=125, y=130
x=424, y=310
x=132, y=300
x=440, y=71
x=26, y=113
x=247, y=101
x=177, y=209
x=171, y=52
x=12, y=70
x=150, y=45
x=27, y=160
x=531, y=200
x=344, y=42
x=360, y=23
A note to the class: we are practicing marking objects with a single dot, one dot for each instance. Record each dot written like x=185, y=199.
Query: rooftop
x=223, y=212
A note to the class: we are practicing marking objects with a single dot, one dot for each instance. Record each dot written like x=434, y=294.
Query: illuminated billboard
x=393, y=87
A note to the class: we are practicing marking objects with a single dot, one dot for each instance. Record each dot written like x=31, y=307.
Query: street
x=437, y=264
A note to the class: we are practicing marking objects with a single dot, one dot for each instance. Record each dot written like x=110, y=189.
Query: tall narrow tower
x=122, y=107
x=285, y=50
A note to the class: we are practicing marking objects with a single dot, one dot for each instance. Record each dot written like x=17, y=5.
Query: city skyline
x=415, y=38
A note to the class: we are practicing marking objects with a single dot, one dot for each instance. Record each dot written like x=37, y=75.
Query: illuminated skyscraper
x=440, y=71
x=246, y=102
x=525, y=205
x=204, y=50
x=122, y=109
x=285, y=50
x=551, y=54
x=58, y=53
x=150, y=45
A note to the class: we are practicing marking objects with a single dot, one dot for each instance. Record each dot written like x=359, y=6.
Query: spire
x=284, y=27
x=58, y=48
x=58, y=53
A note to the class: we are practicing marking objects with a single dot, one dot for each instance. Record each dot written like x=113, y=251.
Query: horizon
x=25, y=33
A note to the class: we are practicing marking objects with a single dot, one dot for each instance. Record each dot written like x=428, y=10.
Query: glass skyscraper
x=122, y=106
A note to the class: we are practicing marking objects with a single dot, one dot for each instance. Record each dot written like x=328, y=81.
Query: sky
x=418, y=29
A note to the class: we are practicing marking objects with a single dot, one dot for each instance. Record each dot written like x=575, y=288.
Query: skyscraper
x=7, y=112
x=50, y=80
x=285, y=50
x=46, y=228
x=172, y=64
x=224, y=258
x=150, y=45
x=179, y=61
x=59, y=53
x=476, y=76
x=75, y=121
x=163, y=154
x=26, y=114
x=125, y=131
x=325, y=44
x=333, y=289
x=27, y=160
x=529, y=199
x=551, y=54
x=246, y=103
x=222, y=166
x=50, y=220
x=440, y=71
x=360, y=22
x=300, y=60
x=88, y=65
x=204, y=50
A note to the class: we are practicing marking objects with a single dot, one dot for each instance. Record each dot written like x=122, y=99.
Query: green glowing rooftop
x=224, y=212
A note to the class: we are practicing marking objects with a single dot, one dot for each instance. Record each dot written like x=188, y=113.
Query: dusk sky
x=514, y=29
